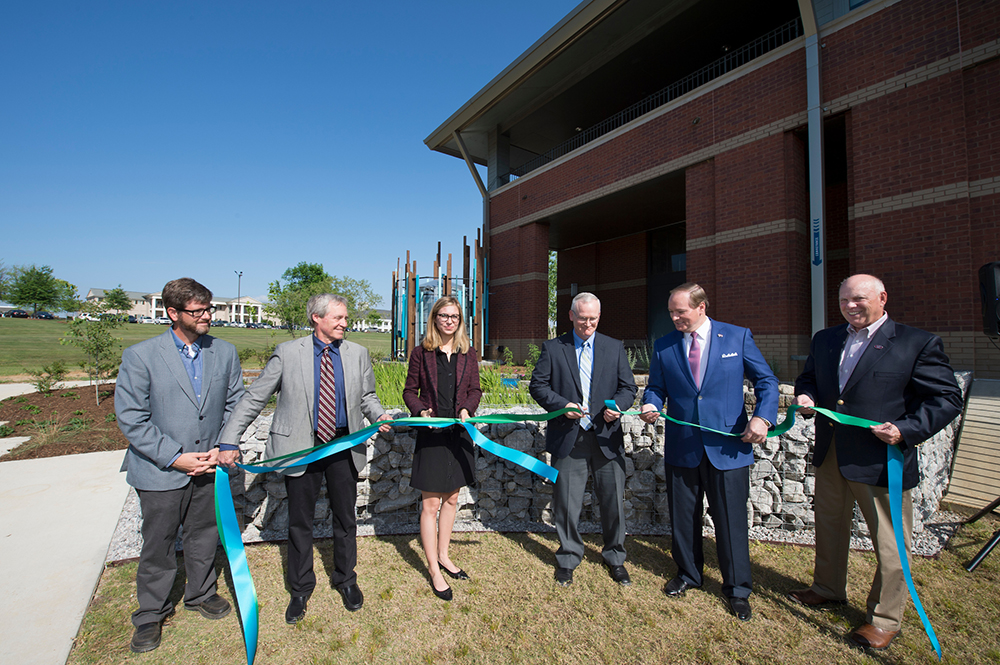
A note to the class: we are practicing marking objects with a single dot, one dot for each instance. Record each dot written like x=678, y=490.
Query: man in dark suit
x=173, y=395
x=877, y=369
x=580, y=370
x=698, y=371
x=326, y=386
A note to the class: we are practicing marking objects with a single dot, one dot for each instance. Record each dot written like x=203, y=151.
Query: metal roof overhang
x=588, y=37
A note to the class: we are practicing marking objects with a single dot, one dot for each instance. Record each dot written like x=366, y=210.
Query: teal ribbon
x=894, y=463
x=232, y=543
x=225, y=513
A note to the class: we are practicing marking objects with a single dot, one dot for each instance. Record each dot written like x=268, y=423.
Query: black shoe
x=460, y=575
x=443, y=595
x=564, y=576
x=619, y=574
x=741, y=608
x=676, y=587
x=353, y=598
x=296, y=610
x=146, y=637
x=213, y=607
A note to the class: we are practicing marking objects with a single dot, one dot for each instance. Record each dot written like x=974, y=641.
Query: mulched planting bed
x=63, y=422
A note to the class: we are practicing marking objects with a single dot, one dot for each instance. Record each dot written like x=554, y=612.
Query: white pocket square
x=730, y=355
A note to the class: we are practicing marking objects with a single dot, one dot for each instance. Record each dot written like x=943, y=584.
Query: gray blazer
x=158, y=412
x=289, y=372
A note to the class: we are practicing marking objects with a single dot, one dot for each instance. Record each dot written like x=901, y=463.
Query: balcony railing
x=737, y=58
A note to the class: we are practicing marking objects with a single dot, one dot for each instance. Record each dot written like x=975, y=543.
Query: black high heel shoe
x=460, y=575
x=443, y=595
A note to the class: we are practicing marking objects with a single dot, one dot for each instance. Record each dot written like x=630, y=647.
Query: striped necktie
x=326, y=422
x=586, y=365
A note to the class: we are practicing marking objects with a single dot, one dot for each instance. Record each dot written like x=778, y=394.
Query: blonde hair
x=696, y=294
x=432, y=340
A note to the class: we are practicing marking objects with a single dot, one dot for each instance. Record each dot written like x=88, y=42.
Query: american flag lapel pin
x=879, y=347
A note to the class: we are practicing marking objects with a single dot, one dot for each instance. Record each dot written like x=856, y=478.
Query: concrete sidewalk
x=57, y=518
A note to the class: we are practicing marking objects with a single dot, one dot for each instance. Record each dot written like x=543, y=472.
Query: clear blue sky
x=143, y=141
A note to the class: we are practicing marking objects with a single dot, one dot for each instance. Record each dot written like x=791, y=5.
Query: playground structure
x=413, y=296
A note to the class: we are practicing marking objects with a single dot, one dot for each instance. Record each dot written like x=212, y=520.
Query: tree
x=374, y=319
x=101, y=349
x=36, y=288
x=6, y=274
x=361, y=298
x=553, y=314
x=288, y=300
x=68, y=300
x=117, y=300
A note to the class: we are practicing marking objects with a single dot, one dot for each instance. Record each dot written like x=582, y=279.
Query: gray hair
x=868, y=280
x=584, y=297
x=319, y=303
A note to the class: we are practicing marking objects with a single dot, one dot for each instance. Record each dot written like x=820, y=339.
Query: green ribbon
x=232, y=538
x=894, y=463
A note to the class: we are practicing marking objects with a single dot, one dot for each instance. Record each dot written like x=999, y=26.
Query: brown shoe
x=870, y=637
x=810, y=598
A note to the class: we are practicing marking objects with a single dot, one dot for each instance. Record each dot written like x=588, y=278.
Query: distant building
x=765, y=150
x=384, y=323
x=242, y=310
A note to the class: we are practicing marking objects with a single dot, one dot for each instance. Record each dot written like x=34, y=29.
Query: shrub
x=47, y=378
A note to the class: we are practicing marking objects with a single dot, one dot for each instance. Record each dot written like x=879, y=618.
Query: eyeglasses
x=198, y=313
x=588, y=321
x=450, y=317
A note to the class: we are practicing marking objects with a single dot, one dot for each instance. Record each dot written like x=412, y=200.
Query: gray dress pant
x=162, y=514
x=567, y=502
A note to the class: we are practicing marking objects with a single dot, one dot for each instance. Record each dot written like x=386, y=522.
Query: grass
x=32, y=344
x=512, y=612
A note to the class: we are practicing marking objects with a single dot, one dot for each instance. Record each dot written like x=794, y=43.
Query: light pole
x=239, y=279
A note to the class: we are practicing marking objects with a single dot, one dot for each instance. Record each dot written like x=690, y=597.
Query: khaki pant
x=834, y=507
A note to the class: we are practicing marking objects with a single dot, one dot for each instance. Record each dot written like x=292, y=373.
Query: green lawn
x=30, y=344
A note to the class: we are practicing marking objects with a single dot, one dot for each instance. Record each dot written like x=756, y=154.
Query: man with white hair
x=326, y=385
x=880, y=370
x=580, y=370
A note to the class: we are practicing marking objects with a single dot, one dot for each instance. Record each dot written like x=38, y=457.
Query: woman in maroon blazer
x=442, y=381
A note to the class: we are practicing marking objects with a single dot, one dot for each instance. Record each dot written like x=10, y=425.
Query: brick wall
x=920, y=206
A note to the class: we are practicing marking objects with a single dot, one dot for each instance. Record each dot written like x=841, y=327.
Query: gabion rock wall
x=508, y=497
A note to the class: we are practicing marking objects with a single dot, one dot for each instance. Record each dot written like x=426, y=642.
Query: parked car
x=17, y=314
x=89, y=317
x=44, y=315
x=132, y=319
x=162, y=321
x=146, y=319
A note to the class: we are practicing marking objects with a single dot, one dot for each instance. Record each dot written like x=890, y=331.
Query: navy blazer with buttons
x=718, y=404
x=903, y=377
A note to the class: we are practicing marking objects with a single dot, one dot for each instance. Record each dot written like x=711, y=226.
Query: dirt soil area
x=63, y=422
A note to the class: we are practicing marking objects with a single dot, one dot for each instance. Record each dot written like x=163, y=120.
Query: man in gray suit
x=173, y=395
x=326, y=384
x=581, y=369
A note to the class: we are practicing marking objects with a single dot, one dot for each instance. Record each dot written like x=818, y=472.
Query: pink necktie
x=694, y=359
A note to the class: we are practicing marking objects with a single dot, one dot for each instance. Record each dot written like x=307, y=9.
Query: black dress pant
x=342, y=490
x=727, y=493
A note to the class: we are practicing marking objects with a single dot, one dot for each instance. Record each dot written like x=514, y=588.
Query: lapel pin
x=719, y=334
x=879, y=347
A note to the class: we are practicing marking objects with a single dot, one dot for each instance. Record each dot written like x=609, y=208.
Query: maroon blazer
x=422, y=377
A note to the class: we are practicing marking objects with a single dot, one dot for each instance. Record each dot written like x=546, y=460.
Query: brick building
x=651, y=142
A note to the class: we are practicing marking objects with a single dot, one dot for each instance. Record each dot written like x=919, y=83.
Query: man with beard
x=173, y=395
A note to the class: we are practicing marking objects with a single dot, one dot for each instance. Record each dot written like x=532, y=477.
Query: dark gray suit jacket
x=555, y=382
x=158, y=412
x=289, y=372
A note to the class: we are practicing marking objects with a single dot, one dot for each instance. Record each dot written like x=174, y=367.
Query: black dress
x=443, y=456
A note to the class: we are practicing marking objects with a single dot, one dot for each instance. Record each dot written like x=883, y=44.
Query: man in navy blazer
x=173, y=396
x=877, y=369
x=698, y=371
x=580, y=370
